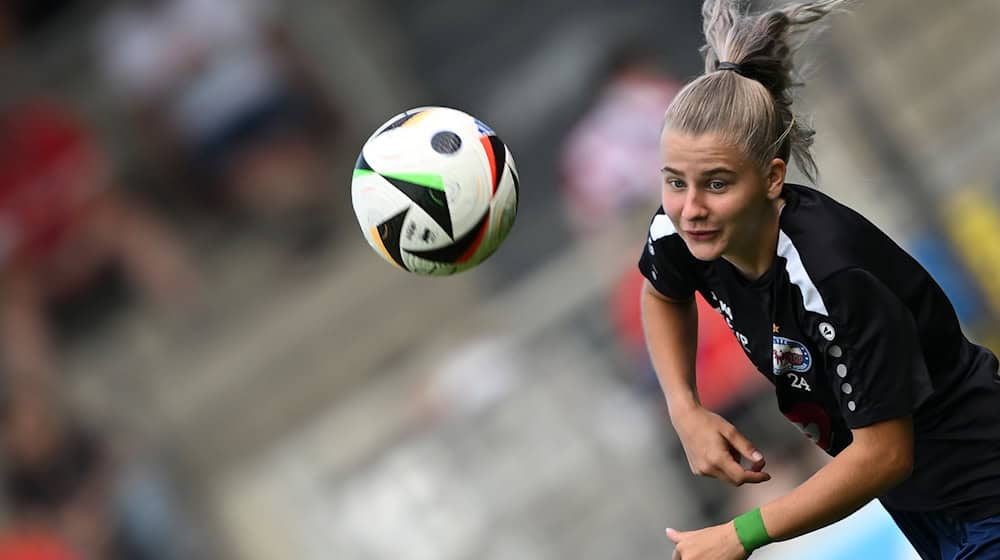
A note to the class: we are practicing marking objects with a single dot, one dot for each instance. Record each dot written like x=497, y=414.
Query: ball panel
x=425, y=267
x=397, y=122
x=503, y=211
x=375, y=199
x=497, y=153
x=514, y=177
x=376, y=202
x=422, y=233
x=431, y=200
x=408, y=117
x=362, y=164
x=386, y=235
x=462, y=249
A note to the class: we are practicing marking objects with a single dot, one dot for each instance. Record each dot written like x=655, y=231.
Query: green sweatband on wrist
x=751, y=531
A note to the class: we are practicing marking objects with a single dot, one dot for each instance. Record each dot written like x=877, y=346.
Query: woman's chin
x=705, y=251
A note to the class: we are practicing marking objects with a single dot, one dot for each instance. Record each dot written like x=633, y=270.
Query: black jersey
x=852, y=331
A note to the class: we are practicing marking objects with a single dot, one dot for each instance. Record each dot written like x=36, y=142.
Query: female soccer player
x=863, y=348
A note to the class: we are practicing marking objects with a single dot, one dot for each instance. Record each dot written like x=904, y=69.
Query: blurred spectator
x=63, y=225
x=68, y=479
x=22, y=18
x=611, y=158
x=60, y=484
x=225, y=105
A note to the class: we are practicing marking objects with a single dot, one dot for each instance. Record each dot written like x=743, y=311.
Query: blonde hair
x=750, y=104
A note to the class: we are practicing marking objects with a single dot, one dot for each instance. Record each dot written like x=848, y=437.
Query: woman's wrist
x=682, y=403
x=751, y=531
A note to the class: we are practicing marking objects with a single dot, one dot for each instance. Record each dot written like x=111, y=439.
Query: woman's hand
x=713, y=447
x=713, y=543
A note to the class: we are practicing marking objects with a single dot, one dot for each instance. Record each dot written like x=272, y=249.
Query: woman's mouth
x=701, y=234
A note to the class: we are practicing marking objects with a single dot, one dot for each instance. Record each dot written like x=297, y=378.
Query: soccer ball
x=435, y=191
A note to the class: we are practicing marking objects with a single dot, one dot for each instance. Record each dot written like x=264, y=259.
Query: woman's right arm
x=671, y=329
x=712, y=445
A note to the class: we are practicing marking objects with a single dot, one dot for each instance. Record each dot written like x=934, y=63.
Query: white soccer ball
x=435, y=191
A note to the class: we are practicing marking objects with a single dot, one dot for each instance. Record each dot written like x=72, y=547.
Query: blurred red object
x=50, y=168
x=34, y=545
x=725, y=374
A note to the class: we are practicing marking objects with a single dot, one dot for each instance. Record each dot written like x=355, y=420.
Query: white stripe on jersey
x=811, y=298
x=661, y=227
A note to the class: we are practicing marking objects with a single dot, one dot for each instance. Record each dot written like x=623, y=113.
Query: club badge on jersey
x=790, y=355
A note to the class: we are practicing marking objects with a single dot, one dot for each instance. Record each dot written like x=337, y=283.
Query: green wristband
x=751, y=531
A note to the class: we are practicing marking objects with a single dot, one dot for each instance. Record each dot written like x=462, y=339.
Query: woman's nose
x=694, y=206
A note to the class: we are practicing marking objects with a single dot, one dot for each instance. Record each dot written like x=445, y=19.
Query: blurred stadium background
x=203, y=358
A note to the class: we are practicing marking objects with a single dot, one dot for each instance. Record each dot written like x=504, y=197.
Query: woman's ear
x=775, y=178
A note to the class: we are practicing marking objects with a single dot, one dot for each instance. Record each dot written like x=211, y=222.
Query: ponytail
x=746, y=91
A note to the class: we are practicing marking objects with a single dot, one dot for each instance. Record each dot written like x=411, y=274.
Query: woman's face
x=717, y=198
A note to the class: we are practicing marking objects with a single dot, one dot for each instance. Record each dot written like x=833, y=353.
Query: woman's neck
x=754, y=260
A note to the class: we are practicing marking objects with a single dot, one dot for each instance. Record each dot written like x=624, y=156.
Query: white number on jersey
x=799, y=382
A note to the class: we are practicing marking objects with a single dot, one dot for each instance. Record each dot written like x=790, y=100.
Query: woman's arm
x=879, y=458
x=671, y=329
x=711, y=443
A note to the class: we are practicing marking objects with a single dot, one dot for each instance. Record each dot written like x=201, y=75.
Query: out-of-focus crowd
x=229, y=127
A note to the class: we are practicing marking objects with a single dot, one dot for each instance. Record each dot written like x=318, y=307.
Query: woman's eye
x=716, y=185
x=675, y=183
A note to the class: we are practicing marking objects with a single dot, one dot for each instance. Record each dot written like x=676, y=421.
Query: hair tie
x=730, y=66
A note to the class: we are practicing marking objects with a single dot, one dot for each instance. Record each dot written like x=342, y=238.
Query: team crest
x=790, y=355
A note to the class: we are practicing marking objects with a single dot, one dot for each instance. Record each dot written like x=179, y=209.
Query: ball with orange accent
x=435, y=191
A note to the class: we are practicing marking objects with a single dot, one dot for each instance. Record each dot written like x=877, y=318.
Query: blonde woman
x=863, y=348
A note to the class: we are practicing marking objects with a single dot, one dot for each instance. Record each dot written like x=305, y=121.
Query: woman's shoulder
x=828, y=237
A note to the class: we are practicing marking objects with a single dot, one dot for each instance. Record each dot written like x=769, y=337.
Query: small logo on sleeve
x=827, y=331
x=790, y=355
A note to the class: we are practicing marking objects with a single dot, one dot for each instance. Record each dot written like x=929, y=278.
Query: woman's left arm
x=880, y=457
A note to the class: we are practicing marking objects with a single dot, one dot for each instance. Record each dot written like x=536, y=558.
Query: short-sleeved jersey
x=852, y=331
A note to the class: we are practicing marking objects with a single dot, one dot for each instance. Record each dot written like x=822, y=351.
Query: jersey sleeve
x=876, y=364
x=666, y=261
